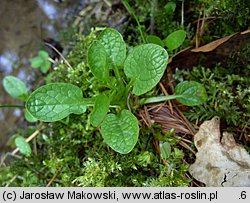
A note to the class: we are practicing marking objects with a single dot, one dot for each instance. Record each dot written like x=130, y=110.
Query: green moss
x=71, y=156
x=230, y=16
x=228, y=89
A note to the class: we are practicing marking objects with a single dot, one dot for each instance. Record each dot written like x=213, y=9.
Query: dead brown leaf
x=219, y=162
x=213, y=45
x=212, y=53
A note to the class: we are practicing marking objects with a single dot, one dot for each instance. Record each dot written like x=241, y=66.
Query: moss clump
x=70, y=155
x=228, y=89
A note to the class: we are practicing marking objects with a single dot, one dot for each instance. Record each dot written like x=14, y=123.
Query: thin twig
x=197, y=33
x=51, y=60
x=51, y=46
x=185, y=145
x=128, y=98
x=157, y=147
x=182, y=13
x=28, y=139
x=189, y=125
x=165, y=162
x=147, y=116
x=202, y=26
x=166, y=94
x=12, y=179
x=51, y=180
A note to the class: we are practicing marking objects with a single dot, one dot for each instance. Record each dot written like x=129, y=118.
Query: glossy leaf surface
x=100, y=110
x=121, y=131
x=97, y=60
x=55, y=101
x=192, y=93
x=114, y=45
x=145, y=65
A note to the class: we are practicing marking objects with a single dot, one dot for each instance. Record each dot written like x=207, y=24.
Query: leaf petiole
x=12, y=106
x=117, y=75
x=158, y=99
x=89, y=102
x=131, y=10
x=129, y=86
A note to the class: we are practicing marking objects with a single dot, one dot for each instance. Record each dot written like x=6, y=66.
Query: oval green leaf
x=121, y=132
x=154, y=40
x=23, y=146
x=165, y=150
x=41, y=61
x=100, y=110
x=114, y=45
x=170, y=8
x=55, y=101
x=14, y=86
x=29, y=117
x=45, y=66
x=175, y=39
x=192, y=93
x=43, y=54
x=97, y=60
x=36, y=62
x=145, y=65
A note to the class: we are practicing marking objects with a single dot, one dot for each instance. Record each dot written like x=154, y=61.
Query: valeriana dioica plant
x=120, y=74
